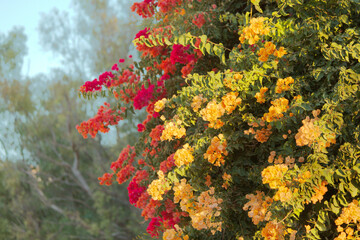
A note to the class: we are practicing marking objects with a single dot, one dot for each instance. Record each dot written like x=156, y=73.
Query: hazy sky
x=26, y=13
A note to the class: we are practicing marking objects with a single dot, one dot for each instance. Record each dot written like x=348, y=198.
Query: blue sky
x=27, y=13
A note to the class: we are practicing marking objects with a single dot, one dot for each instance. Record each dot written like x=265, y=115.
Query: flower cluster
x=308, y=133
x=254, y=31
x=212, y=112
x=175, y=234
x=106, y=179
x=183, y=194
x=124, y=164
x=260, y=95
x=158, y=187
x=268, y=49
x=160, y=105
x=104, y=117
x=273, y=230
x=143, y=97
x=230, y=101
x=145, y=8
x=217, y=150
x=258, y=207
x=96, y=85
x=276, y=110
x=197, y=102
x=173, y=130
x=273, y=175
x=283, y=84
x=184, y=156
x=264, y=53
x=227, y=179
x=231, y=82
x=205, y=209
x=199, y=20
x=349, y=215
x=319, y=192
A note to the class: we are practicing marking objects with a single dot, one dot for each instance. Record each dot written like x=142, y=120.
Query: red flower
x=199, y=20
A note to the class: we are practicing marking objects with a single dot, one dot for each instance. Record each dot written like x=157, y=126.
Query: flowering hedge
x=253, y=119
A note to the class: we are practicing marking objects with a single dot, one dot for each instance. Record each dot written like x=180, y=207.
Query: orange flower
x=260, y=95
x=319, y=192
x=216, y=151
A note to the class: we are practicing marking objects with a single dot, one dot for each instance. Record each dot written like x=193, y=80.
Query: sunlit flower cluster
x=159, y=105
x=230, y=101
x=260, y=96
x=276, y=110
x=183, y=194
x=254, y=31
x=283, y=84
x=264, y=53
x=273, y=175
x=349, y=215
x=197, y=102
x=258, y=207
x=273, y=230
x=174, y=234
x=100, y=122
x=232, y=82
x=184, y=156
x=158, y=187
x=205, y=209
x=263, y=134
x=308, y=133
x=173, y=130
x=283, y=194
x=303, y=177
x=217, y=150
x=227, y=179
x=319, y=192
x=212, y=112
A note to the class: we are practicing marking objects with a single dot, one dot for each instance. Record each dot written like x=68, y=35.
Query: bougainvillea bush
x=253, y=119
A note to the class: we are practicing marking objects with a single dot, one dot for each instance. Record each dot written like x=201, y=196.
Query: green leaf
x=257, y=5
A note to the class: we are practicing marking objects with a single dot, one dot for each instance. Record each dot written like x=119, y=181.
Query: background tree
x=50, y=188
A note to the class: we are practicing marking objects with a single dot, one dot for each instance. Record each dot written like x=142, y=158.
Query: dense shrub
x=253, y=119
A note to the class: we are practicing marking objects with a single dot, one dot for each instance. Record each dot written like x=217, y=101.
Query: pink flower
x=154, y=227
x=115, y=67
x=140, y=127
x=143, y=97
x=143, y=32
x=179, y=55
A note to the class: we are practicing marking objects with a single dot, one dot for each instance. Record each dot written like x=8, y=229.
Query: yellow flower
x=197, y=101
x=273, y=175
x=283, y=84
x=276, y=110
x=284, y=194
x=260, y=95
x=253, y=32
x=172, y=130
x=279, y=53
x=184, y=156
x=257, y=207
x=230, y=102
x=319, y=192
x=273, y=230
x=212, y=112
x=216, y=151
x=159, y=105
x=308, y=133
x=158, y=187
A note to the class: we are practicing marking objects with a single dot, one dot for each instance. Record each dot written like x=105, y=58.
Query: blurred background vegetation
x=48, y=172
